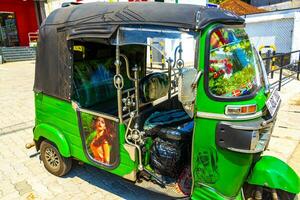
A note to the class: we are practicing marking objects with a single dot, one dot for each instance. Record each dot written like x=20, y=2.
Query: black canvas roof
x=178, y=15
x=53, y=74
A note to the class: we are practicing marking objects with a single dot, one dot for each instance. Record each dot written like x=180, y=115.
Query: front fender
x=52, y=134
x=274, y=173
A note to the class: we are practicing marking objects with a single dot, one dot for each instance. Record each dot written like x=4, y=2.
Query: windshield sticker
x=206, y=169
x=232, y=68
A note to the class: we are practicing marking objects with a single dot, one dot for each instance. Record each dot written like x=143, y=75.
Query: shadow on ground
x=112, y=183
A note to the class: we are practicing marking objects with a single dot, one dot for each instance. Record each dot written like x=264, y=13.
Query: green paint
x=53, y=135
x=206, y=193
x=225, y=170
x=57, y=121
x=274, y=173
x=148, y=144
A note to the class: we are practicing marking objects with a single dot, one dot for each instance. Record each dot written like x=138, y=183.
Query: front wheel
x=53, y=161
x=253, y=192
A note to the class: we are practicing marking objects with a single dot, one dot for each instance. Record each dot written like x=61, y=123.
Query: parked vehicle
x=170, y=94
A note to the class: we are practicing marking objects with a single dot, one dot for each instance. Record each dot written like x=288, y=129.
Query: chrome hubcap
x=52, y=158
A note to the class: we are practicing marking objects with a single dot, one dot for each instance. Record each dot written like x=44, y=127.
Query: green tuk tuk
x=170, y=94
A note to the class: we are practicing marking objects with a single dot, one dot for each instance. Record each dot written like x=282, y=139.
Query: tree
x=220, y=1
x=216, y=1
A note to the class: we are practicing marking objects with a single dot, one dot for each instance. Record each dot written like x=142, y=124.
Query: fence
x=286, y=64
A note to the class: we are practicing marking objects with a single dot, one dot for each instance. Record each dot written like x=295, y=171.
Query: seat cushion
x=168, y=118
x=170, y=125
x=182, y=132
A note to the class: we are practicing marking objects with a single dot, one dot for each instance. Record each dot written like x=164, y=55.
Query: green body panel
x=53, y=135
x=223, y=170
x=274, y=173
x=56, y=120
x=206, y=193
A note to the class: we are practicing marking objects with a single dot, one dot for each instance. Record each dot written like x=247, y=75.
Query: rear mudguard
x=274, y=173
x=52, y=134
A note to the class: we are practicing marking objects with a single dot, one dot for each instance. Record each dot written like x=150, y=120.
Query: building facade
x=276, y=4
x=279, y=28
x=17, y=19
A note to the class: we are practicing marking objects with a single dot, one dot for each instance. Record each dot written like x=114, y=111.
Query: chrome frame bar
x=218, y=116
x=119, y=90
x=106, y=116
x=76, y=107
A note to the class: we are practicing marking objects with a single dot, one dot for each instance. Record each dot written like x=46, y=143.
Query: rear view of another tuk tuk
x=171, y=97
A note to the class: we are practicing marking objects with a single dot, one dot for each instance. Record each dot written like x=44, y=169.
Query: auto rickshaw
x=167, y=94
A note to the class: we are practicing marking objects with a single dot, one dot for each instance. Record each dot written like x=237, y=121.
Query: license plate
x=273, y=102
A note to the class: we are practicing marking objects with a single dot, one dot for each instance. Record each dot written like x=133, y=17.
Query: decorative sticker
x=100, y=138
x=206, y=169
x=233, y=68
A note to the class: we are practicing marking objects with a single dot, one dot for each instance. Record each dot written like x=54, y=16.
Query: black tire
x=249, y=191
x=53, y=161
x=286, y=195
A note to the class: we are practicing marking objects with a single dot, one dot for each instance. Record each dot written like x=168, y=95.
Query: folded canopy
x=178, y=15
x=101, y=20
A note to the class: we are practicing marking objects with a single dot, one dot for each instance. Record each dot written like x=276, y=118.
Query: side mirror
x=188, y=80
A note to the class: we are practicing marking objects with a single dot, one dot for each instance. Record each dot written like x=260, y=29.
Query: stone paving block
x=23, y=187
x=96, y=196
x=286, y=133
x=86, y=188
x=295, y=160
x=80, y=196
x=49, y=180
x=6, y=187
x=16, y=178
x=76, y=180
x=282, y=148
x=63, y=181
x=11, y=196
x=30, y=196
x=64, y=196
x=289, y=120
x=41, y=190
x=56, y=188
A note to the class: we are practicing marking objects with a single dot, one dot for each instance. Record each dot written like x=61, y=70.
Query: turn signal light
x=240, y=110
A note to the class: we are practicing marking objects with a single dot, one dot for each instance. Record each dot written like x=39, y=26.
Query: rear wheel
x=53, y=161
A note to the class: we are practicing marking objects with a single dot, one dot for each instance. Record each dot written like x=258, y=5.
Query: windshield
x=162, y=44
x=233, y=68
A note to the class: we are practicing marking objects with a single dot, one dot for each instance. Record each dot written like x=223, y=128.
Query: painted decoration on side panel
x=100, y=138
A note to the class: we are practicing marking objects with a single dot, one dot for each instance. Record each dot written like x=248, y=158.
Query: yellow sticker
x=79, y=48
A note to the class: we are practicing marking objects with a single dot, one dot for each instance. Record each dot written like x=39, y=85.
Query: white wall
x=275, y=32
x=296, y=36
x=284, y=5
x=275, y=28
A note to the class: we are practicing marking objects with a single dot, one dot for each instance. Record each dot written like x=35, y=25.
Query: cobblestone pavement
x=22, y=177
x=285, y=141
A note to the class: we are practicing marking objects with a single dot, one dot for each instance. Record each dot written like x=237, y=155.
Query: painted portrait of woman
x=100, y=141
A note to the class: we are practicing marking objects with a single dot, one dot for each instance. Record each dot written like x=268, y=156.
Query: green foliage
x=216, y=1
x=221, y=1
x=239, y=79
x=87, y=121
